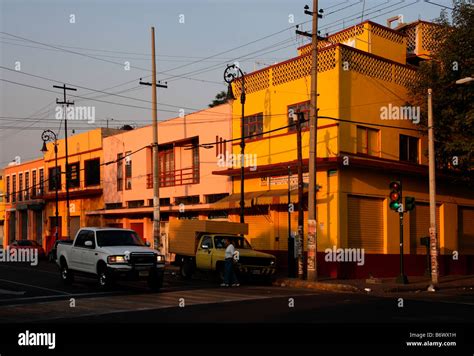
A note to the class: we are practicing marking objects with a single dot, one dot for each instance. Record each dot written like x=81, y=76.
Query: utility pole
x=299, y=119
x=156, y=163
x=66, y=104
x=432, y=191
x=313, y=139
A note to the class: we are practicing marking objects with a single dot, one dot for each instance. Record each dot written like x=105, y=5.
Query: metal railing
x=176, y=177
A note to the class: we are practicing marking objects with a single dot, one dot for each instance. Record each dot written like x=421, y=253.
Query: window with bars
x=20, y=186
x=41, y=181
x=73, y=174
x=408, y=151
x=293, y=111
x=13, y=188
x=55, y=178
x=167, y=168
x=119, y=171
x=27, y=186
x=253, y=126
x=368, y=142
x=8, y=190
x=128, y=170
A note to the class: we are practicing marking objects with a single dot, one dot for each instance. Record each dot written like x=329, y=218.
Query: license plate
x=143, y=273
x=256, y=271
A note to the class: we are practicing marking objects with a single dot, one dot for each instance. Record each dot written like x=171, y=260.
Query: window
x=253, y=125
x=113, y=206
x=368, y=141
x=8, y=189
x=293, y=110
x=20, y=186
x=120, y=171
x=27, y=185
x=13, y=188
x=408, y=149
x=135, y=203
x=34, y=188
x=212, y=198
x=128, y=170
x=54, y=178
x=41, y=178
x=73, y=174
x=167, y=171
x=206, y=241
x=81, y=238
x=92, y=171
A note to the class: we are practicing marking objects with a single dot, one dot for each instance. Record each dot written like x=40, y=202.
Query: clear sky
x=87, y=44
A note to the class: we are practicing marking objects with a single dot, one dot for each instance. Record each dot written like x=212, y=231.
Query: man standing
x=229, y=275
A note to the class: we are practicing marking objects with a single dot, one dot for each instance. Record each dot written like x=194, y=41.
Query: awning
x=233, y=201
x=264, y=197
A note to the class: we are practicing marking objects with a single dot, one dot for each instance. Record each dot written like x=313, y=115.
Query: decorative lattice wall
x=410, y=33
x=430, y=36
x=301, y=67
x=253, y=82
x=404, y=75
x=366, y=65
x=387, y=34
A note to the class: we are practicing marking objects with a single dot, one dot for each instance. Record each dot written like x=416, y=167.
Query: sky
x=104, y=46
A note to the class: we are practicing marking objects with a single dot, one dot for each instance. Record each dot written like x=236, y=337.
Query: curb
x=295, y=283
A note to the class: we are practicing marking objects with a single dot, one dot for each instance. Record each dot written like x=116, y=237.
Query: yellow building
x=86, y=180
x=367, y=137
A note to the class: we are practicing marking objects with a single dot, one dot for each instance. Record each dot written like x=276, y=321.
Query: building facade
x=24, y=204
x=367, y=137
x=189, y=147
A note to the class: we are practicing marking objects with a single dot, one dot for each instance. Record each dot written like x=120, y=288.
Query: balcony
x=178, y=177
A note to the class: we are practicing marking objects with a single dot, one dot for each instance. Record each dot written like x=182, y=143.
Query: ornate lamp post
x=50, y=136
x=231, y=73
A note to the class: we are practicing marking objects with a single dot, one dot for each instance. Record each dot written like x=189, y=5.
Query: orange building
x=188, y=188
x=24, y=214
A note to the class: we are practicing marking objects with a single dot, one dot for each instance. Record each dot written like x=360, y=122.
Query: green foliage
x=453, y=105
x=221, y=98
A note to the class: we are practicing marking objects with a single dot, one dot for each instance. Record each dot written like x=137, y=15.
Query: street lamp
x=231, y=73
x=49, y=136
x=464, y=80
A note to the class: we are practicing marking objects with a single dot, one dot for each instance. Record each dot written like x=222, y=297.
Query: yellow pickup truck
x=198, y=245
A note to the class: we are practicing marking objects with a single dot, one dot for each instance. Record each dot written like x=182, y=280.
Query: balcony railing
x=174, y=178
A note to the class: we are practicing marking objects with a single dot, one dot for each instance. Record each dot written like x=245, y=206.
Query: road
x=37, y=295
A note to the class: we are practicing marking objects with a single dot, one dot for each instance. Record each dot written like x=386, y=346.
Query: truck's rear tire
x=67, y=276
x=186, y=269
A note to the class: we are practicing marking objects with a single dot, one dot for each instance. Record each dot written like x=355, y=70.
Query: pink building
x=188, y=188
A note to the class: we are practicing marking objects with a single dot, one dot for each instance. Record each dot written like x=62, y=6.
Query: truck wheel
x=186, y=269
x=104, y=277
x=67, y=276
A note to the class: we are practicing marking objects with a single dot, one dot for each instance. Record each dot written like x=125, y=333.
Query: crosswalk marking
x=50, y=310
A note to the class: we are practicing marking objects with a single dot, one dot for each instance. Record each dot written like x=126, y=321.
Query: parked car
x=53, y=253
x=109, y=254
x=28, y=244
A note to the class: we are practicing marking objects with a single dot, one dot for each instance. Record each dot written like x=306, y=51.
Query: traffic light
x=409, y=203
x=395, y=195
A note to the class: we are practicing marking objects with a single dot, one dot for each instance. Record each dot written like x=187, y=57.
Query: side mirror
x=147, y=244
x=88, y=243
x=205, y=247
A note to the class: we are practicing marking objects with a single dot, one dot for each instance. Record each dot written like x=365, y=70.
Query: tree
x=221, y=98
x=453, y=105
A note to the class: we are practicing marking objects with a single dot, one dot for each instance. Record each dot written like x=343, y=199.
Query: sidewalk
x=380, y=285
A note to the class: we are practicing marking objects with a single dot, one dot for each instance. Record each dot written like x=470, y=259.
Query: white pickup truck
x=110, y=254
